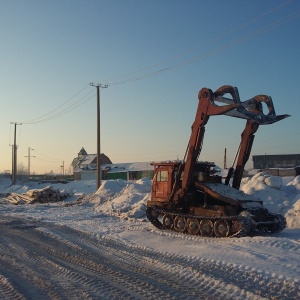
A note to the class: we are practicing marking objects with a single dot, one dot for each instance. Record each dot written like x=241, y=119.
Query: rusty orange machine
x=186, y=197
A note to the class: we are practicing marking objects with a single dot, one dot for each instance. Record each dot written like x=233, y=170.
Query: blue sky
x=155, y=56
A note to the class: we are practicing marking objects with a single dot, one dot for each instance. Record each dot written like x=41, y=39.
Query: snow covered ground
x=259, y=267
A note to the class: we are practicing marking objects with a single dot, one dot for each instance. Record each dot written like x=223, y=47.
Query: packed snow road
x=42, y=260
x=47, y=261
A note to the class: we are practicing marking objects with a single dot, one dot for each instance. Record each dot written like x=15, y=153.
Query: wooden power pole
x=14, y=159
x=28, y=171
x=98, y=176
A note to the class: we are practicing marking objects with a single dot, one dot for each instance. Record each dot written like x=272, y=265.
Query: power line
x=47, y=158
x=202, y=45
x=44, y=118
x=214, y=50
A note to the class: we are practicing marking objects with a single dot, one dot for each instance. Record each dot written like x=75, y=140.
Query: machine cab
x=163, y=180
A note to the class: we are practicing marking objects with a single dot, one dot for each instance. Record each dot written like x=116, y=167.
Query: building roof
x=127, y=167
x=275, y=156
x=89, y=160
x=82, y=152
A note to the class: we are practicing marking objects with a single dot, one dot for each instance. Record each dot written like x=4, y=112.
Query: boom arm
x=206, y=108
x=252, y=111
x=244, y=151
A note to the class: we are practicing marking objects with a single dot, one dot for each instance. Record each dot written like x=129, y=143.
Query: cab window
x=162, y=176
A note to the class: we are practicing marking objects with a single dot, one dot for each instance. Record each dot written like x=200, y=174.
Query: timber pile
x=45, y=195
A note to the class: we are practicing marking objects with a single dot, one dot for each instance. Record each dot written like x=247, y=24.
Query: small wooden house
x=87, y=162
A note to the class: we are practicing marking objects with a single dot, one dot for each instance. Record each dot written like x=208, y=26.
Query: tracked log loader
x=186, y=197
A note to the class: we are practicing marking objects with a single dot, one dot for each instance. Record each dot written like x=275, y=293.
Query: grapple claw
x=251, y=109
x=206, y=104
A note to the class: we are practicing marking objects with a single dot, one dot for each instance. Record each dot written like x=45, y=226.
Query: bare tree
x=22, y=172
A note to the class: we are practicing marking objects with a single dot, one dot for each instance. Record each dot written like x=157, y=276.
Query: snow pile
x=125, y=199
x=277, y=197
x=110, y=187
x=6, y=187
x=266, y=188
x=293, y=214
x=76, y=188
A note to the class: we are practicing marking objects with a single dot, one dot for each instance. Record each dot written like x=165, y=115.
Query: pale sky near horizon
x=155, y=56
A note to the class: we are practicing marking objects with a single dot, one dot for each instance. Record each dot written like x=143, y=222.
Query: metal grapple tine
x=251, y=109
x=228, y=89
x=207, y=104
x=281, y=117
x=214, y=109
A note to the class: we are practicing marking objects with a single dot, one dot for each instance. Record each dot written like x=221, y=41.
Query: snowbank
x=277, y=197
x=125, y=199
x=293, y=214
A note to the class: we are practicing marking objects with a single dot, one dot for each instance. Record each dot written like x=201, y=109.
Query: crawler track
x=220, y=227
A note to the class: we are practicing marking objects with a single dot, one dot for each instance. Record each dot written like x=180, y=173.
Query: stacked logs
x=45, y=195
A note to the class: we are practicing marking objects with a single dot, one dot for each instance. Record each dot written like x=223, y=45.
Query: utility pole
x=98, y=176
x=28, y=173
x=12, y=159
x=225, y=159
x=63, y=168
x=14, y=166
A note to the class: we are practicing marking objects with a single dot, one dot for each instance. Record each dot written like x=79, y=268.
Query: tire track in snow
x=246, y=276
x=284, y=285
x=222, y=274
x=288, y=246
x=73, y=269
x=122, y=261
x=284, y=244
x=142, y=226
x=7, y=291
x=81, y=265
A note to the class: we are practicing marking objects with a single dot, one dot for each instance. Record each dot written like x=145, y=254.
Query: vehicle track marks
x=46, y=260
